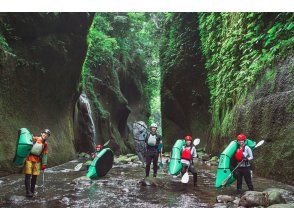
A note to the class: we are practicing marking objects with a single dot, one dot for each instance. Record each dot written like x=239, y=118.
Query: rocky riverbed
x=125, y=186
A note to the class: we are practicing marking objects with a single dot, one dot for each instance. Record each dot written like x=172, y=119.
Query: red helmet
x=188, y=138
x=241, y=137
x=99, y=146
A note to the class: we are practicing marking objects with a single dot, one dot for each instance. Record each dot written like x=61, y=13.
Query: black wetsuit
x=152, y=155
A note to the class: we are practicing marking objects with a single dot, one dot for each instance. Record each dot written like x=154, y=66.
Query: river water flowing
x=122, y=187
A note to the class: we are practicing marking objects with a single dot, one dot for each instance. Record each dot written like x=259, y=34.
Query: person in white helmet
x=152, y=140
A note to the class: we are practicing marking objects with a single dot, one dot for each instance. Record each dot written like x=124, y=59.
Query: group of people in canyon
x=37, y=160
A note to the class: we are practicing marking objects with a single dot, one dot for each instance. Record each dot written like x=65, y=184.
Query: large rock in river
x=254, y=199
x=275, y=196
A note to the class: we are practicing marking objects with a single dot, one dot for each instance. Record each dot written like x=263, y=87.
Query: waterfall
x=85, y=131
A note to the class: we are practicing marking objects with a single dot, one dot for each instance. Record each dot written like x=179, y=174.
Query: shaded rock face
x=111, y=124
x=132, y=88
x=40, y=71
x=184, y=94
x=254, y=199
x=85, y=132
x=115, y=85
x=267, y=113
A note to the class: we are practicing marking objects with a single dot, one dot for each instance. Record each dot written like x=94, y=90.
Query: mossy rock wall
x=41, y=57
x=248, y=60
x=114, y=79
x=184, y=94
x=267, y=114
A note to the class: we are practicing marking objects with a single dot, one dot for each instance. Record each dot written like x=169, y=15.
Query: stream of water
x=121, y=187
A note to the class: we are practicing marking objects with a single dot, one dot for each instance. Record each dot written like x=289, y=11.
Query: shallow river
x=121, y=187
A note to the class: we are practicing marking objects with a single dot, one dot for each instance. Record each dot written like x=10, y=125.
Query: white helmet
x=153, y=125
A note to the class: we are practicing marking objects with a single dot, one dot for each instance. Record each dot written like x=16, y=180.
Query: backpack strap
x=147, y=137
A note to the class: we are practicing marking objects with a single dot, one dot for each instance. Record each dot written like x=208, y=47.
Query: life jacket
x=152, y=140
x=186, y=153
x=38, y=146
x=239, y=154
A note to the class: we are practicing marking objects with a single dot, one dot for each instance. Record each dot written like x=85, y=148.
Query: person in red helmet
x=188, y=153
x=243, y=155
x=98, y=148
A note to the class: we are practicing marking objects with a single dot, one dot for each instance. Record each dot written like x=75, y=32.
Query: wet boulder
x=214, y=158
x=116, y=161
x=224, y=199
x=289, y=205
x=127, y=158
x=275, y=196
x=254, y=199
x=134, y=158
x=236, y=201
x=205, y=157
x=214, y=161
x=83, y=155
x=123, y=159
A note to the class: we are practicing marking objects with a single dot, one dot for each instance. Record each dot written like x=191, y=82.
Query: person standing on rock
x=152, y=140
x=188, y=153
x=243, y=155
x=36, y=161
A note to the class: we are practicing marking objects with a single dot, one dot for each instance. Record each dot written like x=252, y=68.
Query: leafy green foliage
x=238, y=48
x=3, y=44
x=122, y=43
x=149, y=42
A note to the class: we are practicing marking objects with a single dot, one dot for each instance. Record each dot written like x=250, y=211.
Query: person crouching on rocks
x=243, y=155
x=98, y=148
x=152, y=140
x=188, y=153
x=36, y=161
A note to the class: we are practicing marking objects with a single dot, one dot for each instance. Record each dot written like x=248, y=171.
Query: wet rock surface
x=275, y=196
x=224, y=199
x=254, y=199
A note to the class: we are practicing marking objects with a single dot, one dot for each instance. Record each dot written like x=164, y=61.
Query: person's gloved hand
x=245, y=159
x=43, y=167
